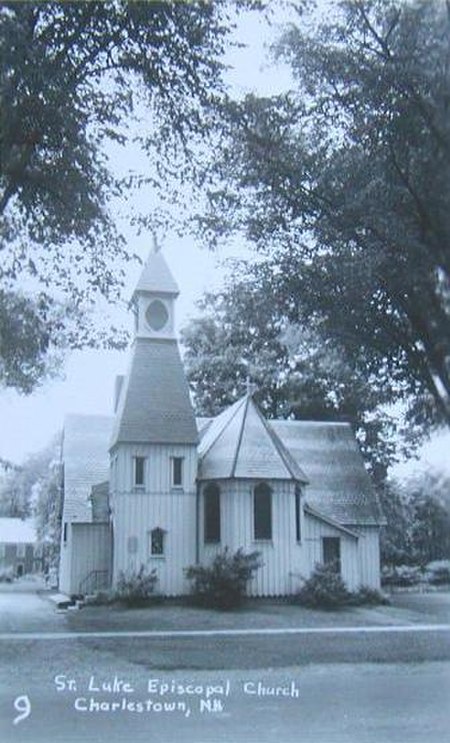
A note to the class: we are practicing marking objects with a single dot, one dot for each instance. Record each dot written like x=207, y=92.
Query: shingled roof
x=154, y=405
x=239, y=443
x=86, y=462
x=338, y=484
x=156, y=277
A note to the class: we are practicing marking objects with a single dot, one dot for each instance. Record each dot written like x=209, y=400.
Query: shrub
x=223, y=584
x=136, y=589
x=367, y=596
x=6, y=575
x=325, y=589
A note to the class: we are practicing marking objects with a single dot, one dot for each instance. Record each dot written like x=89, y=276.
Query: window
x=177, y=472
x=298, y=514
x=157, y=315
x=157, y=541
x=211, y=499
x=20, y=550
x=331, y=548
x=139, y=472
x=262, y=511
x=2, y=551
x=65, y=532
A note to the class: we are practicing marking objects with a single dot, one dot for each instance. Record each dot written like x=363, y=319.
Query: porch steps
x=61, y=601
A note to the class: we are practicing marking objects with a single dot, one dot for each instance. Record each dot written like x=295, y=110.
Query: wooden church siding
x=65, y=560
x=91, y=551
x=315, y=531
x=369, y=556
x=158, y=467
x=135, y=515
x=138, y=510
x=237, y=531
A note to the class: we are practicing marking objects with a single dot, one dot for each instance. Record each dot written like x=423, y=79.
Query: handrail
x=94, y=577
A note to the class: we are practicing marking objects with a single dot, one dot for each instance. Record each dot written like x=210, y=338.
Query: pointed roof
x=156, y=277
x=240, y=443
x=154, y=404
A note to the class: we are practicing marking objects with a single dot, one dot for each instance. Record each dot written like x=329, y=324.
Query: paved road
x=372, y=687
x=349, y=703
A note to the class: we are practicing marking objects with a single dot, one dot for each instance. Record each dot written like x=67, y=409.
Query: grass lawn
x=256, y=614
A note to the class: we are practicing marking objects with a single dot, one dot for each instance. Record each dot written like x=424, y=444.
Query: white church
x=154, y=486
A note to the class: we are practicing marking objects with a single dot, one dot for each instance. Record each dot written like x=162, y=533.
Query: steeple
x=154, y=404
x=154, y=298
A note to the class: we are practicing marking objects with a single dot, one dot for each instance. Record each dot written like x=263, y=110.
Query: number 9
x=22, y=705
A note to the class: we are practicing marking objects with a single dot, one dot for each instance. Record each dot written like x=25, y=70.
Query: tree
x=79, y=80
x=245, y=332
x=343, y=185
x=33, y=490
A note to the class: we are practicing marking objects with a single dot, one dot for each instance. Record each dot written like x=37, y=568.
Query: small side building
x=19, y=551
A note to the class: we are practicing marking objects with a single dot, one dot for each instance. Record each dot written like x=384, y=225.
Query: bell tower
x=154, y=299
x=153, y=447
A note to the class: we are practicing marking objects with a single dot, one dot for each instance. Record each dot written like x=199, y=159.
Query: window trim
x=162, y=535
x=139, y=485
x=177, y=485
x=337, y=561
x=265, y=489
x=210, y=491
x=298, y=515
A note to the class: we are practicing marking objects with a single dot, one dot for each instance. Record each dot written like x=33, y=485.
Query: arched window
x=262, y=511
x=211, y=502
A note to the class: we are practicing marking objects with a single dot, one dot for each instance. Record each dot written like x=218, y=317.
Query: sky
x=28, y=423
x=86, y=382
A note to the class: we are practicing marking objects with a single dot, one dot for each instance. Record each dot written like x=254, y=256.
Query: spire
x=156, y=277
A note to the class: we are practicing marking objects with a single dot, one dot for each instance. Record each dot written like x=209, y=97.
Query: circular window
x=157, y=315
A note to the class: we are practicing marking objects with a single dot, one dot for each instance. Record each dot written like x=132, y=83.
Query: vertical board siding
x=369, y=556
x=280, y=555
x=91, y=550
x=136, y=512
x=65, y=561
x=315, y=530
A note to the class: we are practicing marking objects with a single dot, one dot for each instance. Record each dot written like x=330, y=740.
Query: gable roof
x=154, y=405
x=339, y=486
x=17, y=531
x=239, y=443
x=86, y=462
x=157, y=277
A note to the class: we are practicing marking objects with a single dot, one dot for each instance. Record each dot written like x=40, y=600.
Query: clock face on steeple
x=157, y=315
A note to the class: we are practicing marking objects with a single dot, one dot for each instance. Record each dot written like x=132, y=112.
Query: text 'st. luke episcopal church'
x=153, y=486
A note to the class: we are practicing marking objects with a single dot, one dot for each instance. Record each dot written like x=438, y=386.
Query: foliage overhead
x=343, y=184
x=78, y=81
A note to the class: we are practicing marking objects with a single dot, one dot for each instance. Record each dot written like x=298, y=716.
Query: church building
x=154, y=486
